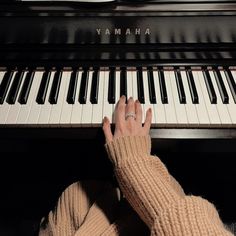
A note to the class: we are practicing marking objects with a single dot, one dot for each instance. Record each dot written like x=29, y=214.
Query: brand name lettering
x=127, y=31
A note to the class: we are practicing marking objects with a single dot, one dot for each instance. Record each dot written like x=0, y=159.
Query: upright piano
x=64, y=65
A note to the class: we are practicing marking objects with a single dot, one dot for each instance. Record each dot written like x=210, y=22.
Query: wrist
x=128, y=148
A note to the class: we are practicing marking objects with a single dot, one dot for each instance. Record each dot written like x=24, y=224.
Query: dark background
x=32, y=181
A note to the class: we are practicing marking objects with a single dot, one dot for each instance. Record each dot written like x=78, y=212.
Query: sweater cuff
x=127, y=148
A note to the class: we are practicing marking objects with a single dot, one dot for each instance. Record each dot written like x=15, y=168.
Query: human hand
x=128, y=120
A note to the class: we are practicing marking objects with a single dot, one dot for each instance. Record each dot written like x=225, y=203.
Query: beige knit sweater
x=151, y=201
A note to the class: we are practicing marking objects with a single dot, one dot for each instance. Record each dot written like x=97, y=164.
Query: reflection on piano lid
x=132, y=1
x=79, y=1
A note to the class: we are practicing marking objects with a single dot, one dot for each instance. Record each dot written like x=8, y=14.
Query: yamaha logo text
x=127, y=31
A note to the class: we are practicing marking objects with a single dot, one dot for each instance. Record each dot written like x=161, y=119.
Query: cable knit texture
x=151, y=201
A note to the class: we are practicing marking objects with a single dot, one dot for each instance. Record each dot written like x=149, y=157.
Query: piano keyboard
x=179, y=97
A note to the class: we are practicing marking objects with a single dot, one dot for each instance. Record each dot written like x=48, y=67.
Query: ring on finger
x=130, y=114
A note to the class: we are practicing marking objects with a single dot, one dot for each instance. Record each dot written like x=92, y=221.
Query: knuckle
x=121, y=106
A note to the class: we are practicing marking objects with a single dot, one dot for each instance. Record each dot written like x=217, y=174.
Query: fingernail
x=137, y=101
x=105, y=119
x=150, y=110
x=123, y=97
x=131, y=98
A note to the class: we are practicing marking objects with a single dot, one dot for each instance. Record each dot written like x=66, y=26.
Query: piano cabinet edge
x=88, y=133
x=70, y=140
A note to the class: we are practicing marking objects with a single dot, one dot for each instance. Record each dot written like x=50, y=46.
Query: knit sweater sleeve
x=157, y=198
x=156, y=165
x=78, y=210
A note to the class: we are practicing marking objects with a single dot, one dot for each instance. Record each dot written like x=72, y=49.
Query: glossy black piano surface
x=170, y=33
x=71, y=36
x=178, y=38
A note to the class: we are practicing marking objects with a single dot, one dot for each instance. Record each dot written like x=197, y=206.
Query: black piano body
x=167, y=34
x=62, y=35
x=71, y=35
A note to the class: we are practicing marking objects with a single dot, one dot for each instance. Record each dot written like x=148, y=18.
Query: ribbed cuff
x=128, y=148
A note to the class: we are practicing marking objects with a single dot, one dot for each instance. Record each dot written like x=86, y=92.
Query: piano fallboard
x=121, y=32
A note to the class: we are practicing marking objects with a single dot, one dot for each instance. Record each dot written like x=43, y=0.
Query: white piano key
x=2, y=73
x=211, y=108
x=114, y=106
x=189, y=106
x=107, y=108
x=25, y=108
x=233, y=72
x=171, y=118
x=135, y=86
x=55, y=115
x=5, y=107
x=15, y=108
x=35, y=108
x=77, y=107
x=231, y=106
x=222, y=108
x=87, y=109
x=117, y=94
x=159, y=108
x=203, y=116
x=147, y=103
x=180, y=108
x=117, y=86
x=97, y=116
x=135, y=92
x=129, y=84
x=45, y=111
x=66, y=110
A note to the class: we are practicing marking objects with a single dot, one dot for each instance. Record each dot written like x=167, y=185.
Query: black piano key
x=53, y=96
x=151, y=86
x=210, y=88
x=5, y=85
x=95, y=87
x=192, y=87
x=72, y=87
x=140, y=85
x=164, y=97
x=43, y=87
x=15, y=86
x=221, y=86
x=180, y=87
x=112, y=86
x=231, y=82
x=84, y=87
x=123, y=82
x=24, y=94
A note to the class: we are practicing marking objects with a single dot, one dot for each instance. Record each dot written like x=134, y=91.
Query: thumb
x=107, y=129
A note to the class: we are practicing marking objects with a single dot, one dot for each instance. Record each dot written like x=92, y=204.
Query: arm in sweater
x=156, y=196
x=82, y=209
